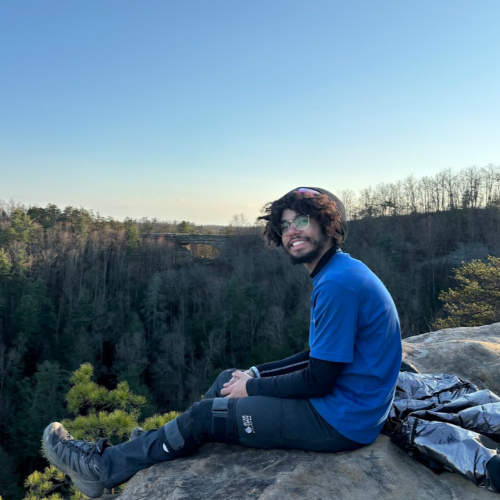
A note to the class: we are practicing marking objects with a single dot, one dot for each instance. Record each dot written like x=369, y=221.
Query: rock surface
x=470, y=353
x=381, y=471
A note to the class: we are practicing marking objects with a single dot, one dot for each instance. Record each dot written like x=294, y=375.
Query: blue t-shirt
x=354, y=321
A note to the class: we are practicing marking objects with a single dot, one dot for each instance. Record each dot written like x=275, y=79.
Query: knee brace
x=223, y=421
x=207, y=421
x=173, y=436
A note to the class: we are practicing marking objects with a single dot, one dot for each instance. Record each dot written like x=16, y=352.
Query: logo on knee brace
x=248, y=424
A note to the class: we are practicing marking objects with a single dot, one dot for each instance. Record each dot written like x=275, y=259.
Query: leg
x=84, y=461
x=257, y=422
x=94, y=466
x=178, y=438
x=213, y=392
x=295, y=420
x=275, y=423
x=216, y=387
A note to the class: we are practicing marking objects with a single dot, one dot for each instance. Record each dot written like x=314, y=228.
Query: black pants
x=255, y=421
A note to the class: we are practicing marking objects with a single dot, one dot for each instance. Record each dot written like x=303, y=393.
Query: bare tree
x=348, y=198
x=238, y=223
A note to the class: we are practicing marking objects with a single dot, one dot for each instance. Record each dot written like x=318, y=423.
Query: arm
x=317, y=379
x=288, y=365
x=332, y=337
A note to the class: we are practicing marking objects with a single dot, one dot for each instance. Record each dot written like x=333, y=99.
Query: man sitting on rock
x=334, y=397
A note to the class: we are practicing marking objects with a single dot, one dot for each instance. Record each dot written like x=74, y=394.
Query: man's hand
x=235, y=379
x=236, y=387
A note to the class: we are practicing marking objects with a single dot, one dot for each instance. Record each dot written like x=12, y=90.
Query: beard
x=318, y=246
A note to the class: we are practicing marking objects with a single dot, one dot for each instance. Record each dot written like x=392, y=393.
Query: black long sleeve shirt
x=315, y=380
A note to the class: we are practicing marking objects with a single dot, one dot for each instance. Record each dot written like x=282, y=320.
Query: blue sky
x=201, y=109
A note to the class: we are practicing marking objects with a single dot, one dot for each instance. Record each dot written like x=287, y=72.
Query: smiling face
x=306, y=246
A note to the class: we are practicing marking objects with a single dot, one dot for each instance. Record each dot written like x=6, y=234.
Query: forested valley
x=79, y=288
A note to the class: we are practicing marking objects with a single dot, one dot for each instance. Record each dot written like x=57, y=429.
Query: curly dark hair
x=328, y=213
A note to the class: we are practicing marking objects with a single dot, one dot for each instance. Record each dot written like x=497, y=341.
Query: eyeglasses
x=300, y=222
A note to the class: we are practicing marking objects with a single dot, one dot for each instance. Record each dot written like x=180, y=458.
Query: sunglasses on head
x=300, y=222
x=303, y=190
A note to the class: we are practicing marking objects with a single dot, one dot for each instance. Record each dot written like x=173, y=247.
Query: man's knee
x=210, y=420
x=218, y=384
x=226, y=375
x=196, y=422
x=190, y=430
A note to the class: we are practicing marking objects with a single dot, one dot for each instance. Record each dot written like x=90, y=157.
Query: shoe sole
x=88, y=488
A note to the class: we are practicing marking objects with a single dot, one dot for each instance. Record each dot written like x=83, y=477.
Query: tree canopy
x=475, y=300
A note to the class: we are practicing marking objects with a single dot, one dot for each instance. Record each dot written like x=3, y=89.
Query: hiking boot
x=78, y=459
x=136, y=432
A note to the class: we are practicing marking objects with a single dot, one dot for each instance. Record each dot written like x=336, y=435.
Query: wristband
x=255, y=372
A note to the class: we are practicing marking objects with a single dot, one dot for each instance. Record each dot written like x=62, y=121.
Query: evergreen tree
x=132, y=235
x=46, y=217
x=475, y=301
x=98, y=413
x=41, y=402
x=27, y=315
x=186, y=227
x=52, y=214
x=8, y=478
x=46, y=485
x=80, y=227
x=34, y=316
x=21, y=262
x=5, y=264
x=22, y=228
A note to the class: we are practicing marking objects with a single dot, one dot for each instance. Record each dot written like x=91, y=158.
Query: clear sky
x=201, y=109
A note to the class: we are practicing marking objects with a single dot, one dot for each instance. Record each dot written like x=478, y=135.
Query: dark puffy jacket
x=447, y=424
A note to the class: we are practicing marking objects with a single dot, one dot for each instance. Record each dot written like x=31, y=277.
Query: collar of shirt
x=324, y=261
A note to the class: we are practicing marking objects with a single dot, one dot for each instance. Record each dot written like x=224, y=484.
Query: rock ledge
x=380, y=471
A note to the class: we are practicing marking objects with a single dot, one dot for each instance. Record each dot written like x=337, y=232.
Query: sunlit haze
x=199, y=110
